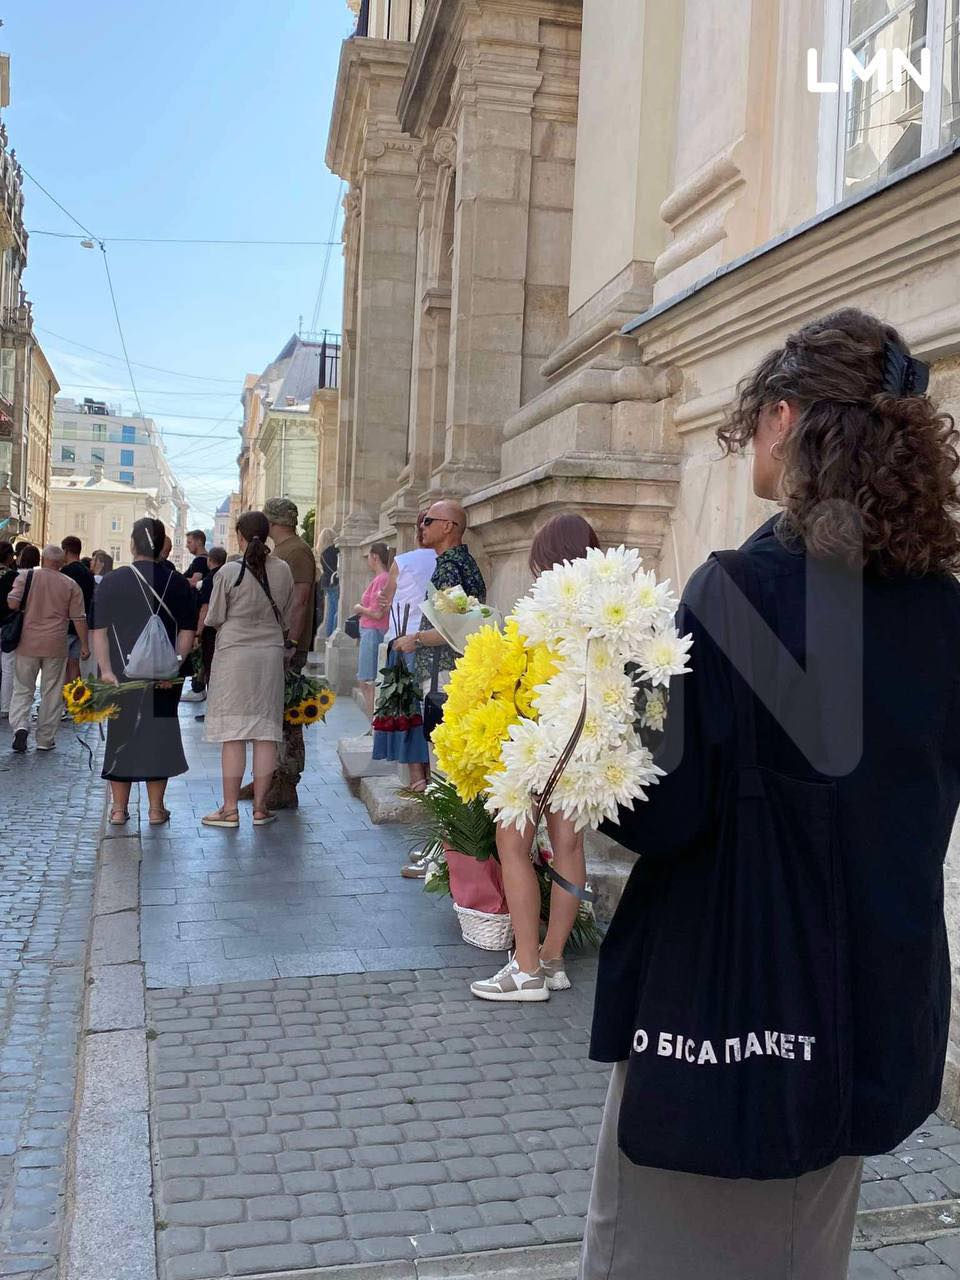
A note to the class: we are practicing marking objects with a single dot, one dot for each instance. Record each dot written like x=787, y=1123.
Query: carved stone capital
x=445, y=148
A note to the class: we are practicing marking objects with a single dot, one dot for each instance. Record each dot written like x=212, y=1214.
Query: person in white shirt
x=410, y=576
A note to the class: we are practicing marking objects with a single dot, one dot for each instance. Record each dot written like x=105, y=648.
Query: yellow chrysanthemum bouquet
x=493, y=687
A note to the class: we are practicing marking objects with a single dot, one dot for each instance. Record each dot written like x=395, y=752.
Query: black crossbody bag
x=12, y=629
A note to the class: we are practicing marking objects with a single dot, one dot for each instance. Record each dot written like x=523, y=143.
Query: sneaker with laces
x=511, y=983
x=555, y=974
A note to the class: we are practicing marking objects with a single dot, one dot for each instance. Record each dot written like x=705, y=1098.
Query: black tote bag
x=740, y=1062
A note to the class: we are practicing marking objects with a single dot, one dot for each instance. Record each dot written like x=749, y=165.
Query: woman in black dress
x=143, y=742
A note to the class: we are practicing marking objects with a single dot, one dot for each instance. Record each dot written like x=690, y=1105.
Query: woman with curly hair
x=774, y=989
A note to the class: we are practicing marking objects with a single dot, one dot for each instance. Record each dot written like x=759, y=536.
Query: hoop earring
x=773, y=450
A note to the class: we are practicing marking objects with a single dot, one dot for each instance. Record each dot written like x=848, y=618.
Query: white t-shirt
x=414, y=571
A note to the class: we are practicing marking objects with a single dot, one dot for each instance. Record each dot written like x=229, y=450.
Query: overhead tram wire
x=315, y=321
x=106, y=267
x=173, y=373
x=69, y=235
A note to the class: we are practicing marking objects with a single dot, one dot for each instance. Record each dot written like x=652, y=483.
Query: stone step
x=356, y=760
x=383, y=803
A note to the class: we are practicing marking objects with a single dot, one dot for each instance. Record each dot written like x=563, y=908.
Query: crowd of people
x=234, y=626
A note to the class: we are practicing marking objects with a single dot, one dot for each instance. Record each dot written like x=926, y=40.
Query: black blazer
x=898, y=791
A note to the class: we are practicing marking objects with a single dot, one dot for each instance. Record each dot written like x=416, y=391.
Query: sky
x=195, y=119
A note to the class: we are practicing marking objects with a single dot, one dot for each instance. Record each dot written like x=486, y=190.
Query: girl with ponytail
x=250, y=608
x=795, y=841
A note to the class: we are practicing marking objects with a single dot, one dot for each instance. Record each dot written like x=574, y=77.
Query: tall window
x=125, y=477
x=128, y=435
x=126, y=457
x=80, y=522
x=67, y=454
x=8, y=369
x=98, y=431
x=116, y=524
x=98, y=456
x=878, y=129
x=69, y=431
x=115, y=551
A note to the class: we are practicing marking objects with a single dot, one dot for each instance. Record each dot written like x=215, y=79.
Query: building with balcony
x=281, y=429
x=573, y=225
x=224, y=523
x=91, y=437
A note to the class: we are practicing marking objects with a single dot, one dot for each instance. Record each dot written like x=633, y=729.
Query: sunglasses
x=428, y=520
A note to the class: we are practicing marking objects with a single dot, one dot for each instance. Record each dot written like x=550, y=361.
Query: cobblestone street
x=49, y=826
x=323, y=1090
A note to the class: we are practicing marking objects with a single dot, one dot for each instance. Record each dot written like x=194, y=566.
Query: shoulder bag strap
x=26, y=592
x=742, y=574
x=265, y=585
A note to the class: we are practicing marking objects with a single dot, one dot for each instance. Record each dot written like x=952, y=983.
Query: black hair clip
x=902, y=374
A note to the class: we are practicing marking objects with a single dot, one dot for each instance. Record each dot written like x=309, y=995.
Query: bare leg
x=523, y=893
x=569, y=861
x=119, y=798
x=233, y=758
x=264, y=764
x=156, y=790
x=367, y=687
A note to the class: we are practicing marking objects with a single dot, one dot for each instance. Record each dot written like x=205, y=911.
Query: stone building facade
x=573, y=225
x=40, y=419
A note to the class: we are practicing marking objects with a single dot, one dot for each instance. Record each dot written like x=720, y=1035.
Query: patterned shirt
x=455, y=568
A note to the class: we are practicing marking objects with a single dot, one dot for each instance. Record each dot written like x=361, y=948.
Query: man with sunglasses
x=441, y=530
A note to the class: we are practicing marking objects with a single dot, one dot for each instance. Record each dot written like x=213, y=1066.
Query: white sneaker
x=555, y=974
x=511, y=983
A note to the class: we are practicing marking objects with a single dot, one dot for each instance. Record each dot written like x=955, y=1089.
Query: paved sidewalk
x=49, y=829
x=326, y=1092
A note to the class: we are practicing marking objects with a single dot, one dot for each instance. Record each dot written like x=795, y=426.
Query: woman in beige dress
x=250, y=609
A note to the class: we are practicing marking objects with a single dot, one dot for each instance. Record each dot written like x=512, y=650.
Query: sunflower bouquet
x=91, y=701
x=552, y=711
x=306, y=699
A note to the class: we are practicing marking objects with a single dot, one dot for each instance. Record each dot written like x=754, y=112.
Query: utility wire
x=106, y=267
x=326, y=262
x=69, y=235
x=150, y=391
x=123, y=341
x=76, y=221
x=174, y=373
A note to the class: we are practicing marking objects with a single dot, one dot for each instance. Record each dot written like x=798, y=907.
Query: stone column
x=367, y=147
x=496, y=78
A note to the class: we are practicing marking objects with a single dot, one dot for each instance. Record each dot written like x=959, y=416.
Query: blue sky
x=199, y=119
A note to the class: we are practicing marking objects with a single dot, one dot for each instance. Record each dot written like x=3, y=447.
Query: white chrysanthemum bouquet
x=599, y=617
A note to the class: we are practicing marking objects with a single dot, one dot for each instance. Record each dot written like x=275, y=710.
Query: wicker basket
x=480, y=929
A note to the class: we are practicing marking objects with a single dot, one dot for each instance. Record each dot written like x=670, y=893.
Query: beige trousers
x=651, y=1224
x=51, y=672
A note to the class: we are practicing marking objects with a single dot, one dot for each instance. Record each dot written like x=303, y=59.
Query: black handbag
x=12, y=629
x=433, y=700
x=741, y=1055
x=351, y=626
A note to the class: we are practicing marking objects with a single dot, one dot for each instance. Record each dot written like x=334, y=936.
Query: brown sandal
x=119, y=816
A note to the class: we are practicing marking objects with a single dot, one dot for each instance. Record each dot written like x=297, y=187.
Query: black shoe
x=199, y=717
x=20, y=740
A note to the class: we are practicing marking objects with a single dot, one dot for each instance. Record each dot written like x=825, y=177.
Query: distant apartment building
x=92, y=438
x=99, y=512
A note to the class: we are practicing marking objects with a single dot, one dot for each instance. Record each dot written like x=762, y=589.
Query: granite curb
x=532, y=1262
x=110, y=1183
